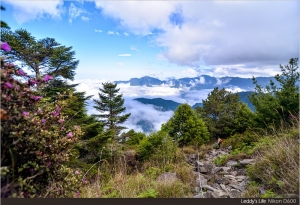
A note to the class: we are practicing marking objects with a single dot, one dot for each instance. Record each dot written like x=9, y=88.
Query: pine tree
x=42, y=57
x=110, y=107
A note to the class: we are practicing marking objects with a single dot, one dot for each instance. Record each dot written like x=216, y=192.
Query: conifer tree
x=111, y=108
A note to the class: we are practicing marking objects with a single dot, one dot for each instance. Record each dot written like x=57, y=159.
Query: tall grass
x=277, y=163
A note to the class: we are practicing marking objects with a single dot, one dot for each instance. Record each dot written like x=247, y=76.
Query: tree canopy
x=274, y=105
x=45, y=56
x=224, y=114
x=186, y=127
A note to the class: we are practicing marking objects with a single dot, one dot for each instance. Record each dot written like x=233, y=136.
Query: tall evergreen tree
x=110, y=106
x=42, y=57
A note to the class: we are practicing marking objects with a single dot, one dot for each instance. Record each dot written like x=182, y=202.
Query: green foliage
x=221, y=160
x=149, y=193
x=132, y=138
x=277, y=165
x=186, y=127
x=224, y=114
x=110, y=107
x=276, y=105
x=42, y=57
x=35, y=145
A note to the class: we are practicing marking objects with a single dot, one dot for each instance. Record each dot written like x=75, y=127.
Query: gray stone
x=229, y=148
x=235, y=193
x=246, y=161
x=199, y=196
x=168, y=176
x=262, y=191
x=217, y=169
x=236, y=186
x=203, y=170
x=198, y=164
x=226, y=169
x=209, y=188
x=208, y=167
x=208, y=194
x=231, y=163
x=229, y=176
x=223, y=187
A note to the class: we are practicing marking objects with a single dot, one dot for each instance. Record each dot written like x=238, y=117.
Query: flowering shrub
x=35, y=146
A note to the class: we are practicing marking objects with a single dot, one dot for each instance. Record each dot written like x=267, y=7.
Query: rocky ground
x=214, y=181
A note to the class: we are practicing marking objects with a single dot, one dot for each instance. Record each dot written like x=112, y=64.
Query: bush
x=277, y=167
x=35, y=144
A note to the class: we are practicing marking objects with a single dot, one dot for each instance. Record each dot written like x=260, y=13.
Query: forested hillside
x=51, y=147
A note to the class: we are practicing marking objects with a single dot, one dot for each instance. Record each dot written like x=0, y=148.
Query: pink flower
x=56, y=112
x=47, y=78
x=43, y=121
x=36, y=98
x=8, y=85
x=24, y=114
x=38, y=112
x=60, y=121
x=49, y=164
x=62, y=127
x=69, y=134
x=76, y=172
x=5, y=46
x=84, y=181
x=21, y=72
x=32, y=82
x=77, y=194
x=76, y=127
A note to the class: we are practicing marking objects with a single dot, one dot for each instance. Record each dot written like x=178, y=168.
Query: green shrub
x=35, y=145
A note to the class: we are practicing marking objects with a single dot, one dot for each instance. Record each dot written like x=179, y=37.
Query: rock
x=229, y=148
x=216, y=186
x=236, y=186
x=198, y=163
x=231, y=163
x=223, y=187
x=229, y=176
x=203, y=170
x=217, y=169
x=168, y=176
x=209, y=188
x=245, y=162
x=226, y=169
x=208, y=167
x=262, y=191
x=241, y=178
x=235, y=193
x=199, y=196
x=220, y=194
x=208, y=194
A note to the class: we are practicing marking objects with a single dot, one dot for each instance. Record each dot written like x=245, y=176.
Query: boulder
x=234, y=193
x=209, y=188
x=199, y=196
x=231, y=163
x=245, y=162
x=203, y=182
x=202, y=170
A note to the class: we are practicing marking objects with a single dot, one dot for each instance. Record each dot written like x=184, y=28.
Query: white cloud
x=125, y=55
x=214, y=33
x=84, y=18
x=140, y=17
x=117, y=33
x=29, y=10
x=74, y=12
x=110, y=33
x=126, y=34
x=120, y=64
x=134, y=48
x=99, y=31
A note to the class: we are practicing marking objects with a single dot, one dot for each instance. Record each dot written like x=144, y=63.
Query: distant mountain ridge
x=202, y=82
x=170, y=105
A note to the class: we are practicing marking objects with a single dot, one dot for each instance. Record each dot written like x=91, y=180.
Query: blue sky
x=119, y=40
